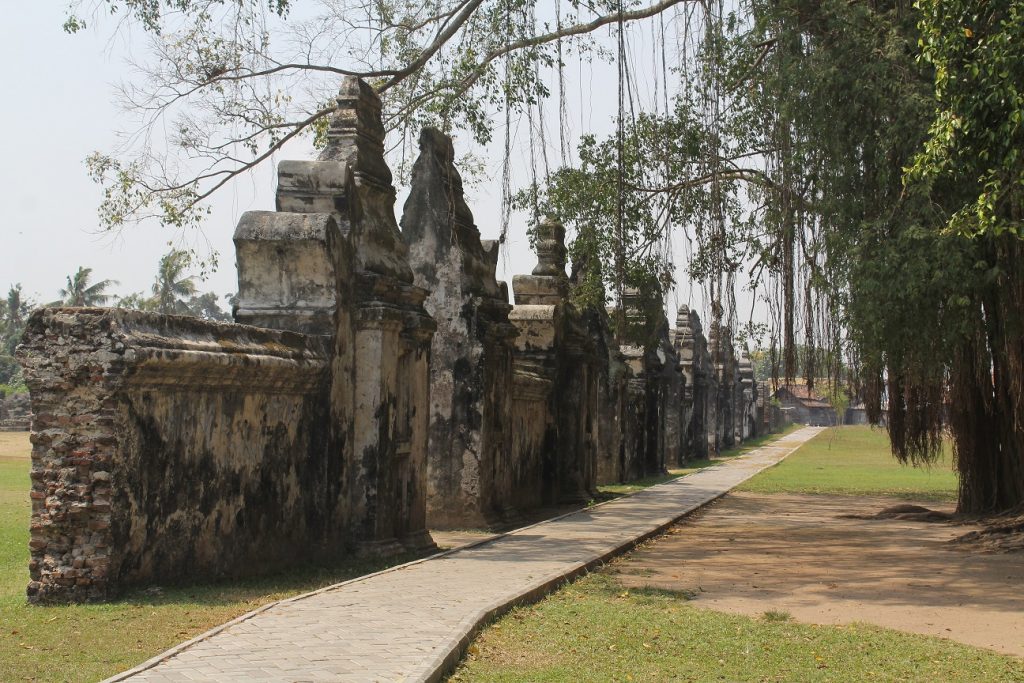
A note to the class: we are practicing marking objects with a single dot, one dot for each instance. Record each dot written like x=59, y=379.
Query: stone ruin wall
x=616, y=424
x=15, y=413
x=168, y=447
x=750, y=416
x=655, y=393
x=470, y=466
x=331, y=418
x=691, y=349
x=557, y=365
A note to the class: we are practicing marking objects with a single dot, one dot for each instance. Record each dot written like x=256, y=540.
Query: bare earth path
x=752, y=553
x=412, y=622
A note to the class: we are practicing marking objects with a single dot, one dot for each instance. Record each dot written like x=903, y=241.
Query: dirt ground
x=752, y=553
x=15, y=446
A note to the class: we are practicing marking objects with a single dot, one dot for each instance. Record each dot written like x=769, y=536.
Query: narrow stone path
x=411, y=623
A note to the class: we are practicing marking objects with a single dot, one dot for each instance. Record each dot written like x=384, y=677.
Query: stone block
x=289, y=265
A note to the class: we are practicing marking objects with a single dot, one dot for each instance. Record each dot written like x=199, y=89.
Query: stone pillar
x=553, y=346
x=720, y=343
x=671, y=380
x=384, y=360
x=469, y=464
x=654, y=388
x=611, y=376
x=694, y=444
x=748, y=392
x=638, y=398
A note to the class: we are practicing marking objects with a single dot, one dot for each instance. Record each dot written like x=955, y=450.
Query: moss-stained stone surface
x=169, y=447
x=470, y=461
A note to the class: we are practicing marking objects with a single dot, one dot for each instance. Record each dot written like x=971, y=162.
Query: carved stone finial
x=548, y=284
x=356, y=136
x=356, y=133
x=683, y=319
x=352, y=181
x=632, y=304
x=551, y=249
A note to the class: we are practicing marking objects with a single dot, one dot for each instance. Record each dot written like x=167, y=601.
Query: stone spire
x=551, y=249
x=437, y=223
x=548, y=284
x=683, y=319
x=355, y=135
x=683, y=338
x=351, y=181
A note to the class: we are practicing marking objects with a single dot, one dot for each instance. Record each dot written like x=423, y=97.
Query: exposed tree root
x=907, y=512
x=1002, y=534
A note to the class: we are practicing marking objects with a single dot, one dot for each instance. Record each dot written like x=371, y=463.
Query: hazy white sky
x=59, y=106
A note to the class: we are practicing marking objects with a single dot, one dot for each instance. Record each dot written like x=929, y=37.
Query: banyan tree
x=841, y=181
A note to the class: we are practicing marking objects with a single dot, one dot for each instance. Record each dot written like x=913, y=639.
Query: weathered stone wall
x=381, y=334
x=470, y=466
x=169, y=447
x=557, y=364
x=672, y=383
x=691, y=349
x=748, y=394
x=656, y=391
x=723, y=401
x=615, y=454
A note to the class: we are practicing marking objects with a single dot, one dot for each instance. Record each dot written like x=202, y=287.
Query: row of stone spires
x=582, y=409
x=331, y=418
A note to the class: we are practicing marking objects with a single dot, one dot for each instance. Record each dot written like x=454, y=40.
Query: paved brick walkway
x=412, y=623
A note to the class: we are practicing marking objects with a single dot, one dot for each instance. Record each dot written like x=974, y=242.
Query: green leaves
x=975, y=139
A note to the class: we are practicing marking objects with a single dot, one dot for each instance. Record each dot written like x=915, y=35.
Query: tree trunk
x=987, y=407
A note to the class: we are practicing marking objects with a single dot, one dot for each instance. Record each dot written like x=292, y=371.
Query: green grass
x=91, y=642
x=855, y=460
x=594, y=630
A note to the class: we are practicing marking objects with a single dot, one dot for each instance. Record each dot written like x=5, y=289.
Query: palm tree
x=173, y=288
x=80, y=293
x=13, y=313
x=15, y=307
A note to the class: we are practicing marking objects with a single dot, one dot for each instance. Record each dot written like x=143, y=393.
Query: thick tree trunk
x=986, y=405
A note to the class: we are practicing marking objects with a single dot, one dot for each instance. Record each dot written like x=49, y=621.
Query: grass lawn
x=855, y=460
x=594, y=630
x=91, y=642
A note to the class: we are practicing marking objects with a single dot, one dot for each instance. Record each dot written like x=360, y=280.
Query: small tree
x=840, y=400
x=14, y=311
x=175, y=291
x=79, y=292
x=173, y=287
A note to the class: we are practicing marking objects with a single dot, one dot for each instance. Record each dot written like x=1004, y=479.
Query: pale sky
x=59, y=107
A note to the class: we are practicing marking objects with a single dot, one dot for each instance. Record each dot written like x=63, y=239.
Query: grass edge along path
x=608, y=491
x=595, y=630
x=93, y=641
x=90, y=642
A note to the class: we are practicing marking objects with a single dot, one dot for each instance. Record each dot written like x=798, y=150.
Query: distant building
x=805, y=406
x=857, y=414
